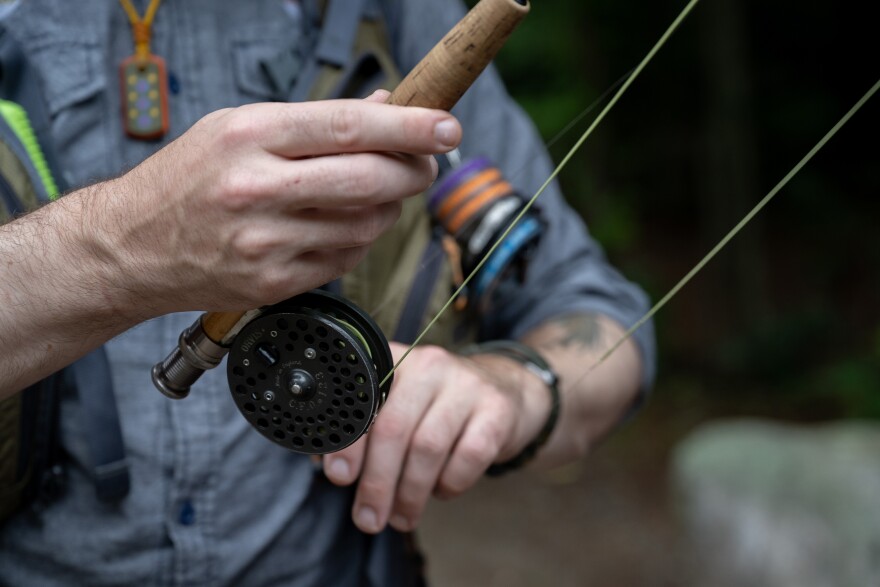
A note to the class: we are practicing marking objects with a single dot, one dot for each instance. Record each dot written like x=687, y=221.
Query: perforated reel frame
x=305, y=373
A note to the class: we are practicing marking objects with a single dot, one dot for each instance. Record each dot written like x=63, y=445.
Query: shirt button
x=187, y=514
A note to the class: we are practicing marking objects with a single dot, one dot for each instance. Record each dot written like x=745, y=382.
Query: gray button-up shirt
x=212, y=502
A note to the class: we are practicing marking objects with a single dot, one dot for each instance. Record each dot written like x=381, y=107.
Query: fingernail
x=446, y=133
x=400, y=523
x=338, y=469
x=366, y=519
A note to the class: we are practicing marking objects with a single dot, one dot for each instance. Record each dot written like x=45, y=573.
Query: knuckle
x=479, y=451
x=392, y=427
x=432, y=356
x=346, y=127
x=372, y=490
x=237, y=128
x=430, y=443
x=239, y=190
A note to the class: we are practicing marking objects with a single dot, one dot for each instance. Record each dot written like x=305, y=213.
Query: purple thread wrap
x=458, y=176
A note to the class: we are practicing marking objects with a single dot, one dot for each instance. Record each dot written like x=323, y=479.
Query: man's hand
x=252, y=205
x=258, y=203
x=446, y=420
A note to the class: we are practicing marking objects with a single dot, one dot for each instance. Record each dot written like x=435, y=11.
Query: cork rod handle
x=452, y=66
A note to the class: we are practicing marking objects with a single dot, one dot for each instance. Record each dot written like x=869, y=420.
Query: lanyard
x=144, y=80
x=141, y=27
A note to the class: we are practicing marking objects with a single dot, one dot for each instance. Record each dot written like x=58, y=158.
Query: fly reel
x=306, y=372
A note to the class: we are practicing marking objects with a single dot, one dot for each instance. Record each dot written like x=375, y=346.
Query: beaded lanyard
x=143, y=80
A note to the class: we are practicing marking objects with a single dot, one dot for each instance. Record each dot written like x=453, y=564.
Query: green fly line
x=638, y=70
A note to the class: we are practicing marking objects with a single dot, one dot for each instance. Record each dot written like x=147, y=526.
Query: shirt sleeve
x=569, y=271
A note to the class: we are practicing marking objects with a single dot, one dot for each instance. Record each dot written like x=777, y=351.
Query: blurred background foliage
x=785, y=321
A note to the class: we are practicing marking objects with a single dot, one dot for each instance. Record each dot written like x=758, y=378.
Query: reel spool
x=306, y=372
x=475, y=205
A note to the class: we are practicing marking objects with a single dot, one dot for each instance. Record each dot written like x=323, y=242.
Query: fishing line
x=455, y=160
x=736, y=229
x=641, y=66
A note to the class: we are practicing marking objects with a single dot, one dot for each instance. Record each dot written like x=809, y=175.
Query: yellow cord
x=141, y=29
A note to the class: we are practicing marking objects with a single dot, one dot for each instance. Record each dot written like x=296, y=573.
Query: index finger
x=350, y=126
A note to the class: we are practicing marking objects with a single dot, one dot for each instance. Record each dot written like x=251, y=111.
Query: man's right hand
x=258, y=203
x=250, y=206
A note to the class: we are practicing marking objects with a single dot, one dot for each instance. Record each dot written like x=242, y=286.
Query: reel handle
x=451, y=67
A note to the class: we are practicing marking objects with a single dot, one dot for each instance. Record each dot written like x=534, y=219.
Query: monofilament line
x=742, y=223
x=638, y=70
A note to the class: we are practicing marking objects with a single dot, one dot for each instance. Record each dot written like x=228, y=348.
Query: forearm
x=58, y=299
x=592, y=401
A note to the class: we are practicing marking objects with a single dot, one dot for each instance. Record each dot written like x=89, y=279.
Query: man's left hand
x=447, y=418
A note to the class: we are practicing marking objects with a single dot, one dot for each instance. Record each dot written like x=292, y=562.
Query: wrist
x=528, y=375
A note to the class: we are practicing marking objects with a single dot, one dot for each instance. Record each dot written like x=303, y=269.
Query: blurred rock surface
x=768, y=504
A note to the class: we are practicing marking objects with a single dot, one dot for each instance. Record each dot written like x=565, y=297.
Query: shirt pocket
x=74, y=83
x=250, y=49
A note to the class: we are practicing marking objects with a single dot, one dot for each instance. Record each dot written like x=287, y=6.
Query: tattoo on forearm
x=574, y=331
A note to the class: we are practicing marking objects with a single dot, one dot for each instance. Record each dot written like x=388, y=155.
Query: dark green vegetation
x=785, y=321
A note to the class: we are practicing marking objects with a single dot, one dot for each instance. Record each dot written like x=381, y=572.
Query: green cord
x=17, y=119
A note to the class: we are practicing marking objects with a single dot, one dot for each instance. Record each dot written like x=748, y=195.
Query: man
x=252, y=204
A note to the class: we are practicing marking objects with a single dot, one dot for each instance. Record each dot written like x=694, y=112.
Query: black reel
x=306, y=372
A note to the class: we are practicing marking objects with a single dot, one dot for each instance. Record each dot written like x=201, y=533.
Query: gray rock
x=767, y=504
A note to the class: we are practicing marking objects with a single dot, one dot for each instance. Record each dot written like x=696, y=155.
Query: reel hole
x=352, y=359
x=343, y=414
x=324, y=346
x=337, y=381
x=363, y=397
x=358, y=415
x=291, y=428
x=324, y=359
x=335, y=402
x=310, y=420
x=262, y=423
x=336, y=357
x=322, y=431
x=348, y=429
x=334, y=438
x=250, y=408
x=276, y=420
x=331, y=369
x=298, y=419
x=282, y=324
x=286, y=415
x=360, y=378
x=307, y=431
x=338, y=392
x=317, y=443
x=345, y=371
x=250, y=381
x=339, y=343
x=292, y=335
x=298, y=441
x=322, y=332
x=330, y=411
x=348, y=401
x=261, y=376
x=309, y=339
x=321, y=418
x=334, y=425
x=302, y=325
x=276, y=408
x=238, y=370
x=278, y=434
x=349, y=386
x=240, y=389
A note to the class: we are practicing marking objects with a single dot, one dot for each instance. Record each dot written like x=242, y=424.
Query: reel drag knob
x=306, y=372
